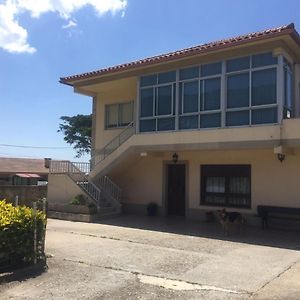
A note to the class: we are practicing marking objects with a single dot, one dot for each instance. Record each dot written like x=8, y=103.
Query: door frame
x=165, y=186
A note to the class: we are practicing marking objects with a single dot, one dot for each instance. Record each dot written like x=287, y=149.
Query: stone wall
x=27, y=194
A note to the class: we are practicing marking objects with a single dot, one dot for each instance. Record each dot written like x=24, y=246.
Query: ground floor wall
x=61, y=189
x=272, y=182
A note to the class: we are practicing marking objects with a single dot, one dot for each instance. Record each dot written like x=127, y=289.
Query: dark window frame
x=226, y=171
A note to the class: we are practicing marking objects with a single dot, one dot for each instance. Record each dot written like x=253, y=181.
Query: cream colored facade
x=138, y=166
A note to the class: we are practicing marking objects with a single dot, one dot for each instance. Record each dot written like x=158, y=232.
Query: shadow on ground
x=279, y=238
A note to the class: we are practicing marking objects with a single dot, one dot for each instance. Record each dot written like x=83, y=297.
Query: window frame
x=226, y=171
x=178, y=94
x=119, y=124
x=251, y=107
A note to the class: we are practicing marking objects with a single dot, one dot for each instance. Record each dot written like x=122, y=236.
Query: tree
x=78, y=132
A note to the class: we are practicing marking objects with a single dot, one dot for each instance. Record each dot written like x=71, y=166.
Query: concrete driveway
x=165, y=258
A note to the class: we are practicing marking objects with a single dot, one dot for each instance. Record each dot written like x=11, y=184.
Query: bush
x=17, y=235
x=79, y=200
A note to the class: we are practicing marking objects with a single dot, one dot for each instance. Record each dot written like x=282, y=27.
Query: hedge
x=17, y=235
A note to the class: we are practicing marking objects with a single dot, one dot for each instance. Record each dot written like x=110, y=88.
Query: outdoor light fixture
x=281, y=157
x=175, y=158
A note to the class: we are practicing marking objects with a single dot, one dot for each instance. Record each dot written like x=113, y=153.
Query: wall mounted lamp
x=175, y=158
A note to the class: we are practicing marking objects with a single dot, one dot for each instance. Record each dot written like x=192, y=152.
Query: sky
x=43, y=40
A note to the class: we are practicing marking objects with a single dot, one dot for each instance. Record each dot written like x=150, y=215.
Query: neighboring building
x=23, y=171
x=216, y=125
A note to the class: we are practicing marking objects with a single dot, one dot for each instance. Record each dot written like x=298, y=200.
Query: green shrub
x=17, y=234
x=79, y=200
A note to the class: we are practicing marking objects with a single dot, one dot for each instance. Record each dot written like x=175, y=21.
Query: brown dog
x=229, y=218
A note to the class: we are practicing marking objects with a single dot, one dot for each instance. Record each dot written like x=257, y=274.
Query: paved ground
x=147, y=258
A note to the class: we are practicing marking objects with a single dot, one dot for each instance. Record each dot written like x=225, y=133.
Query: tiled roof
x=22, y=165
x=287, y=29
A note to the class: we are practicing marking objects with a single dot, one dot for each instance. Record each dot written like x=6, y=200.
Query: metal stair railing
x=78, y=173
x=115, y=143
x=110, y=187
x=79, y=177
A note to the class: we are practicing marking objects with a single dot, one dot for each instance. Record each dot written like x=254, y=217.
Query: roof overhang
x=287, y=34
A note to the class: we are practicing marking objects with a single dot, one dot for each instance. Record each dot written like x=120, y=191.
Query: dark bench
x=267, y=211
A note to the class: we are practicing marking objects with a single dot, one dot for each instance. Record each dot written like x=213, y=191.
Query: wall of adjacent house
x=272, y=182
x=26, y=194
x=61, y=189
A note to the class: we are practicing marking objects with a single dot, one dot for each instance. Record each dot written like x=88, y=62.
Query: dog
x=230, y=218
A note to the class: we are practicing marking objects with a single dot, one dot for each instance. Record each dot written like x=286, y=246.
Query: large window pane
x=264, y=87
x=264, y=116
x=188, y=122
x=126, y=113
x=167, y=77
x=165, y=124
x=238, y=90
x=211, y=94
x=238, y=64
x=112, y=115
x=210, y=120
x=211, y=69
x=265, y=59
x=164, y=100
x=190, y=97
x=147, y=103
x=189, y=73
x=147, y=125
x=148, y=80
x=237, y=118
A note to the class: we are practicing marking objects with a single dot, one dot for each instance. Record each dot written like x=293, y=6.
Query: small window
x=264, y=87
x=188, y=122
x=165, y=124
x=147, y=125
x=167, y=77
x=265, y=59
x=210, y=120
x=238, y=64
x=147, y=102
x=148, y=80
x=237, y=118
x=226, y=185
x=112, y=116
x=191, y=97
x=164, y=100
x=118, y=115
x=211, y=69
x=189, y=73
x=211, y=94
x=264, y=116
x=238, y=90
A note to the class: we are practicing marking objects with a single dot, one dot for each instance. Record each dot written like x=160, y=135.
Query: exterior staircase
x=104, y=194
x=100, y=189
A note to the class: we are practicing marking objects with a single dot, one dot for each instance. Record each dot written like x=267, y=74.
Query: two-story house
x=207, y=127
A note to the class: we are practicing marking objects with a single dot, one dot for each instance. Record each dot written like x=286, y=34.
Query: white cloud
x=13, y=37
x=69, y=25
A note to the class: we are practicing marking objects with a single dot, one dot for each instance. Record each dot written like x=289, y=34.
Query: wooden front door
x=176, y=189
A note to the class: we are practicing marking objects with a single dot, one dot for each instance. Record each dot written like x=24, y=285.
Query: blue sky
x=42, y=43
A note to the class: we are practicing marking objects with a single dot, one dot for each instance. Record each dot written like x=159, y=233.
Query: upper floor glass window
x=240, y=91
x=251, y=90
